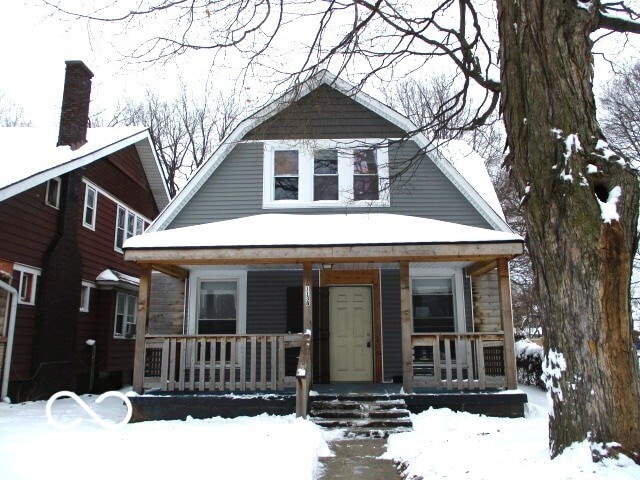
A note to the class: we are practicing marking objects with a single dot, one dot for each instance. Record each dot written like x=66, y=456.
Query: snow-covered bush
x=529, y=357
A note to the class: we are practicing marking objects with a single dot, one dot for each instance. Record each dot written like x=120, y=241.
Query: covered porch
x=468, y=356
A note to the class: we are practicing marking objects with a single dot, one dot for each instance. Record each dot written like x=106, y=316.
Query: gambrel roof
x=30, y=157
x=466, y=172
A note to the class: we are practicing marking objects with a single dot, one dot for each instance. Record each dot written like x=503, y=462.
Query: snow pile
x=280, y=447
x=525, y=348
x=445, y=444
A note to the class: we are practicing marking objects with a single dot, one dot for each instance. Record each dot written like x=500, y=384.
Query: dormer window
x=325, y=173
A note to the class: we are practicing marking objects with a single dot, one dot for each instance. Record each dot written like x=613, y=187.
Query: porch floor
x=179, y=405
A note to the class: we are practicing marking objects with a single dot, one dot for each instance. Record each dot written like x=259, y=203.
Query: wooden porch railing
x=303, y=377
x=218, y=362
x=458, y=360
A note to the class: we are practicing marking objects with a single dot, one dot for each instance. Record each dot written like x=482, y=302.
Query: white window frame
x=46, y=195
x=198, y=276
x=27, y=273
x=457, y=277
x=129, y=297
x=306, y=175
x=137, y=224
x=94, y=207
x=85, y=299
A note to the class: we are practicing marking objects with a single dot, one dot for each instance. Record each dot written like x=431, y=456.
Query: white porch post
x=507, y=323
x=141, y=327
x=307, y=316
x=405, y=319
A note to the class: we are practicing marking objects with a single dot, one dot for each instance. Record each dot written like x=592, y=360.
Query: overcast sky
x=36, y=44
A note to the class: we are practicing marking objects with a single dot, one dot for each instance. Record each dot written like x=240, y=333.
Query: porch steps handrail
x=303, y=377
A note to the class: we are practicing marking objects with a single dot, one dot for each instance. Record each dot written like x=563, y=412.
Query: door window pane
x=433, y=309
x=217, y=307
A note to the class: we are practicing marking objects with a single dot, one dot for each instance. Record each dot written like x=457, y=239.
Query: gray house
x=325, y=247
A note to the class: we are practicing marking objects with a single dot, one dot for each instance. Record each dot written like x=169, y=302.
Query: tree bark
x=582, y=264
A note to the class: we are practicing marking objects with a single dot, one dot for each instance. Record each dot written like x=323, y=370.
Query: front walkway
x=358, y=458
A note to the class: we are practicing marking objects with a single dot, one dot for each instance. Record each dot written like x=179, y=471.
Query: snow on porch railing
x=218, y=362
x=303, y=377
x=462, y=361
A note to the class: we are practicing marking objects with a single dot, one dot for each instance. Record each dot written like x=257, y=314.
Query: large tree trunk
x=582, y=264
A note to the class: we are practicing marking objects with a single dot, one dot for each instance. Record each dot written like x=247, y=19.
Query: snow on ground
x=443, y=445
x=260, y=447
x=452, y=445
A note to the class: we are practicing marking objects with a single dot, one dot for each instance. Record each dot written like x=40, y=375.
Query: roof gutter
x=12, y=327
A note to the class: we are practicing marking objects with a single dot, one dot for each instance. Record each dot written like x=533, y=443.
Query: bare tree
x=559, y=160
x=11, y=115
x=185, y=131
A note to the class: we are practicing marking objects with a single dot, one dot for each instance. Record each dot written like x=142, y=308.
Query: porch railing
x=218, y=362
x=458, y=360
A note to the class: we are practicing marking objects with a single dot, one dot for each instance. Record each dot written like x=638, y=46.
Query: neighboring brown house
x=66, y=208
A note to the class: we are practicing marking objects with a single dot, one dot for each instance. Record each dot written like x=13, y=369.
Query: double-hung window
x=323, y=173
x=27, y=283
x=52, y=195
x=90, y=205
x=128, y=224
x=125, y=318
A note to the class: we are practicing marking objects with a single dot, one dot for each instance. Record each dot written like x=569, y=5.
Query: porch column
x=506, y=316
x=141, y=327
x=307, y=310
x=406, y=327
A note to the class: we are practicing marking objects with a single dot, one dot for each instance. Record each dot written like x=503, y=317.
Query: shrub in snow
x=529, y=357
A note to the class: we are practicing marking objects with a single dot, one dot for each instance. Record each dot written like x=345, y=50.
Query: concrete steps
x=360, y=415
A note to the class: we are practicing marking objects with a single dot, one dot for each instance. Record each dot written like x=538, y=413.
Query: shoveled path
x=358, y=458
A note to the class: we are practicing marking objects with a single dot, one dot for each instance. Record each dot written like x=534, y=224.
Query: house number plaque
x=307, y=296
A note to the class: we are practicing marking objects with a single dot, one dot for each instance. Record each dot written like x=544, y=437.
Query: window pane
x=286, y=188
x=217, y=300
x=325, y=187
x=53, y=187
x=286, y=162
x=139, y=225
x=364, y=162
x=131, y=218
x=433, y=308
x=325, y=162
x=120, y=227
x=365, y=187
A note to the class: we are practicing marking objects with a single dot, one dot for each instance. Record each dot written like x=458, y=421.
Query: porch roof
x=294, y=238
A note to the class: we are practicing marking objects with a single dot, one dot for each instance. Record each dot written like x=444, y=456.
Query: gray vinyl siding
x=468, y=303
x=391, y=329
x=235, y=190
x=267, y=300
x=325, y=113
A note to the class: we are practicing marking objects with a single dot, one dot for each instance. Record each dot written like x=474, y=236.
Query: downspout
x=12, y=327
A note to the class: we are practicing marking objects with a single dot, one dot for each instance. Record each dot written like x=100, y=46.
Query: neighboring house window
x=323, y=173
x=125, y=320
x=128, y=224
x=85, y=296
x=52, y=197
x=90, y=204
x=27, y=283
x=217, y=310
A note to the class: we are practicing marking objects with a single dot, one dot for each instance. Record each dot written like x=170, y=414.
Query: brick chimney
x=74, y=115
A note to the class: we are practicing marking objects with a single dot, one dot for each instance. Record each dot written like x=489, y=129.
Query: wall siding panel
x=235, y=190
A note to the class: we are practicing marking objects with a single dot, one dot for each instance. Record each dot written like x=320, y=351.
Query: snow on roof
x=471, y=166
x=29, y=152
x=318, y=230
x=109, y=275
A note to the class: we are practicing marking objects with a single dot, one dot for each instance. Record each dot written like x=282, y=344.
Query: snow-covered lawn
x=267, y=447
x=452, y=445
x=444, y=444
